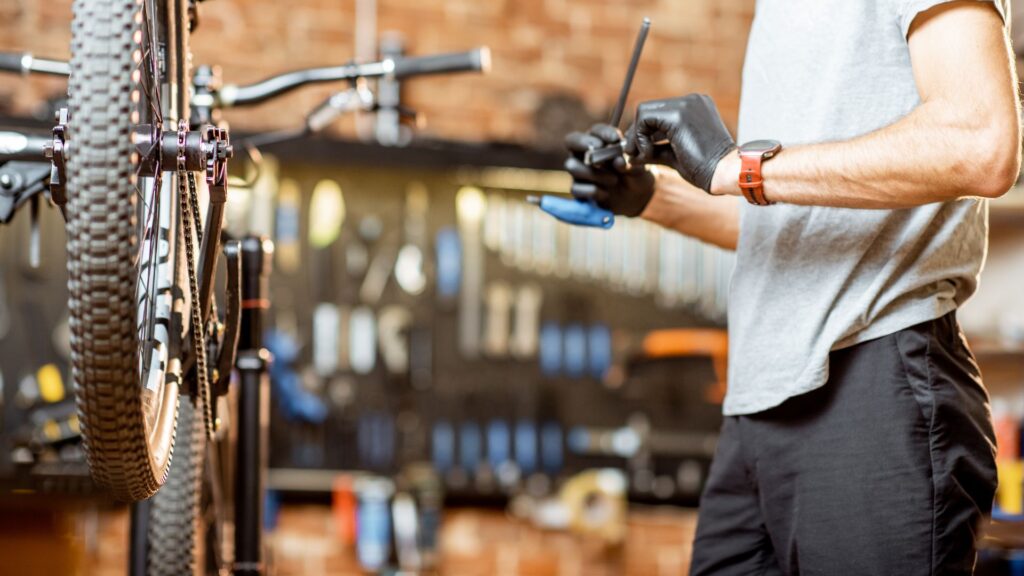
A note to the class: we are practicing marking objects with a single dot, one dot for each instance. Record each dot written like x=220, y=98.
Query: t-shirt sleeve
x=910, y=9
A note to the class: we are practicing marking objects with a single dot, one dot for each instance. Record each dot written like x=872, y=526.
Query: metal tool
x=551, y=448
x=288, y=250
x=393, y=333
x=409, y=266
x=588, y=213
x=496, y=335
x=443, y=447
x=373, y=527
x=551, y=349
x=470, y=447
x=526, y=322
x=544, y=243
x=376, y=279
x=499, y=447
x=493, y=219
x=421, y=358
x=526, y=446
x=574, y=351
x=448, y=247
x=471, y=205
x=362, y=340
x=601, y=155
x=406, y=528
x=326, y=323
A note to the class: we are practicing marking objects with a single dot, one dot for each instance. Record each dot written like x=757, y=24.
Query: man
x=857, y=437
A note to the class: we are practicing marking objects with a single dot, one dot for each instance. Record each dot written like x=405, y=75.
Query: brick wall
x=540, y=47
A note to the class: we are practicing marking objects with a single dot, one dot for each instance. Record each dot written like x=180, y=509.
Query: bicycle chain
x=189, y=201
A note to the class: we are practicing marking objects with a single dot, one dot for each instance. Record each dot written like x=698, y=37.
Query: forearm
x=681, y=207
x=932, y=155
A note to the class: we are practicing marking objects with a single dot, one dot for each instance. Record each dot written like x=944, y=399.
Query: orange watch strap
x=751, y=180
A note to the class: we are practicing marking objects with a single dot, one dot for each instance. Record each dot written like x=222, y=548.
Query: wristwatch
x=753, y=155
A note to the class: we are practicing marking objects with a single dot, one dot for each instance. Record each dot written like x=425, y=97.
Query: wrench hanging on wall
x=470, y=206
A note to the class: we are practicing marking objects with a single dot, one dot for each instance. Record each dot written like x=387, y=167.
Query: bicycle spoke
x=149, y=207
x=150, y=55
x=153, y=97
x=148, y=283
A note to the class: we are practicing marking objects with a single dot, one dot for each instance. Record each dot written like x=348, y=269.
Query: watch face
x=761, y=147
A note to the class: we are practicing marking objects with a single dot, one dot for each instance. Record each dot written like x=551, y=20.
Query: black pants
x=886, y=470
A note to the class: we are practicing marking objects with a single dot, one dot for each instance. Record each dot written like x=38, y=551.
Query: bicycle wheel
x=122, y=245
x=176, y=539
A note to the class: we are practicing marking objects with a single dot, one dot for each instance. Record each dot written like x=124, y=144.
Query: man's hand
x=684, y=133
x=617, y=187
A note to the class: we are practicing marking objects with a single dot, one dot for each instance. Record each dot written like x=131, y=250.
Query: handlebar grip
x=478, y=60
x=20, y=146
x=12, y=62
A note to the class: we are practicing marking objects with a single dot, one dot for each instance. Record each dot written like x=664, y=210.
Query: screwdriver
x=583, y=213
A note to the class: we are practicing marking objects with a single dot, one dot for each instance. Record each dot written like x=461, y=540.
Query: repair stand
x=252, y=363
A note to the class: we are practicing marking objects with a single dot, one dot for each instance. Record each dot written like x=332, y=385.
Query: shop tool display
x=526, y=355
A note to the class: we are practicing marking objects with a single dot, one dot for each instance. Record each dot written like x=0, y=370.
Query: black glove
x=697, y=139
x=618, y=187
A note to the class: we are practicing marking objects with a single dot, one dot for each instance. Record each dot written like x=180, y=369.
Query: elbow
x=997, y=162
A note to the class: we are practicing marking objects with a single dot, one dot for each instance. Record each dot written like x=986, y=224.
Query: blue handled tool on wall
x=581, y=213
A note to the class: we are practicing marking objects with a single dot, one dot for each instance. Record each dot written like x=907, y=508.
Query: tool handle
x=576, y=212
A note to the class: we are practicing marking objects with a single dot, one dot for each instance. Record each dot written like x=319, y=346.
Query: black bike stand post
x=138, y=542
x=253, y=408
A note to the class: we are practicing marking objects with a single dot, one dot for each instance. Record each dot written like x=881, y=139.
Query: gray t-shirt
x=811, y=280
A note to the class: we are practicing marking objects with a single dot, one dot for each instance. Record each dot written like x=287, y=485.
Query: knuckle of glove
x=607, y=133
x=579, y=142
x=583, y=190
x=582, y=173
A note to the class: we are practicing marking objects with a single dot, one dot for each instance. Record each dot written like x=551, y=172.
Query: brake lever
x=357, y=98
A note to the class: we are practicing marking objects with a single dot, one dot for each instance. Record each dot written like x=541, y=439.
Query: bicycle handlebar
x=23, y=63
x=477, y=60
x=21, y=146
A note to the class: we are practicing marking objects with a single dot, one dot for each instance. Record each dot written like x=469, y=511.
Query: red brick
x=539, y=47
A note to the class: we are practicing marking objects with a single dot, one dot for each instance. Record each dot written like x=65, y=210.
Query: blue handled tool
x=576, y=212
x=588, y=213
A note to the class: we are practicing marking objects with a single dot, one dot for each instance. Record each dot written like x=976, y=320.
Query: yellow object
x=51, y=430
x=470, y=205
x=51, y=385
x=326, y=213
x=596, y=501
x=1010, y=495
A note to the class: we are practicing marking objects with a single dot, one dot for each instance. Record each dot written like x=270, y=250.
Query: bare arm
x=963, y=140
x=680, y=206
